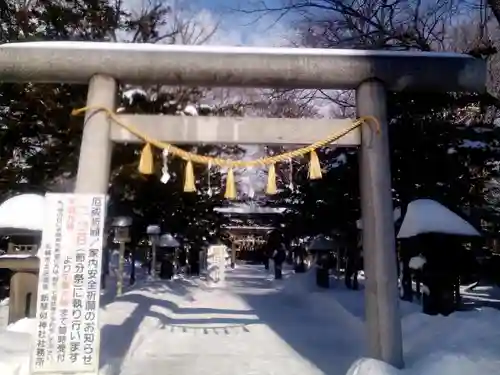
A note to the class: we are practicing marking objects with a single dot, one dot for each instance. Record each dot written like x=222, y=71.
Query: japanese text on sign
x=67, y=339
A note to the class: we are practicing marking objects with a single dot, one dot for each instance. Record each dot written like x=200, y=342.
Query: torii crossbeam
x=370, y=73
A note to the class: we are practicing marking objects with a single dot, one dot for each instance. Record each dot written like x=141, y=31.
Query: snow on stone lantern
x=21, y=219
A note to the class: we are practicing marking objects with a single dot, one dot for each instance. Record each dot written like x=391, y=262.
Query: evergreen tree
x=40, y=139
x=433, y=137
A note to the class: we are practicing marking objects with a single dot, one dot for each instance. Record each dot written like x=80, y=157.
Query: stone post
x=379, y=251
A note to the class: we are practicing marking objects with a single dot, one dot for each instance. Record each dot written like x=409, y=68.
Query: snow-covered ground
x=4, y=313
x=481, y=296
x=254, y=325
x=463, y=343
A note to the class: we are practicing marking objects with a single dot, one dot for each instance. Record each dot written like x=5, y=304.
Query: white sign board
x=216, y=263
x=67, y=336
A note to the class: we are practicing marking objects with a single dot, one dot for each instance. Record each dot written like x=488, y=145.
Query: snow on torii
x=370, y=73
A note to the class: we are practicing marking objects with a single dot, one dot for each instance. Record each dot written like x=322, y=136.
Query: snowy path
x=254, y=326
x=247, y=327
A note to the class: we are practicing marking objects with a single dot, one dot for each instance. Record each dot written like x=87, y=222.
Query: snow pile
x=438, y=364
x=416, y=263
x=428, y=216
x=131, y=93
x=369, y=366
x=4, y=313
x=15, y=342
x=451, y=364
x=448, y=365
x=190, y=110
x=463, y=343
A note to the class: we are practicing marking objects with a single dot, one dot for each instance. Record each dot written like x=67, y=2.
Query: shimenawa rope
x=146, y=164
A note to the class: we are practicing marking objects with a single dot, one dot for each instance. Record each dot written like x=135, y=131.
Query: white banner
x=67, y=338
x=216, y=263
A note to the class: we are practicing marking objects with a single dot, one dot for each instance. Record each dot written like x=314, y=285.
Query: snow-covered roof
x=429, y=216
x=25, y=212
x=153, y=229
x=167, y=240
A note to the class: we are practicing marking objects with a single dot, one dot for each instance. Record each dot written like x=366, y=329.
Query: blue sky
x=240, y=28
x=234, y=27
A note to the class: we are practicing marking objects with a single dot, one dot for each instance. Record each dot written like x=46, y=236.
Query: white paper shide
x=67, y=339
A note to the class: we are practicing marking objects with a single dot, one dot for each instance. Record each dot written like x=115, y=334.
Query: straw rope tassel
x=271, y=180
x=189, y=185
x=230, y=185
x=314, y=167
x=146, y=164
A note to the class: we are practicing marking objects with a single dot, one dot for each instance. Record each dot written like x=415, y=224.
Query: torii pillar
x=370, y=73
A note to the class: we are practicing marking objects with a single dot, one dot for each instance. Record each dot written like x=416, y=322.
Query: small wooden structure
x=245, y=234
x=247, y=224
x=434, y=233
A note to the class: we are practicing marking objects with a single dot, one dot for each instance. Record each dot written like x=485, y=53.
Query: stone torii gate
x=370, y=73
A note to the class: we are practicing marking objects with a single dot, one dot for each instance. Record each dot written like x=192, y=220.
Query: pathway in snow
x=480, y=296
x=248, y=327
